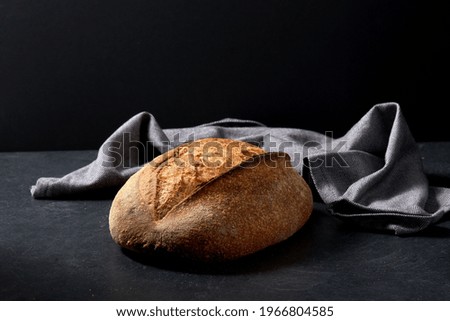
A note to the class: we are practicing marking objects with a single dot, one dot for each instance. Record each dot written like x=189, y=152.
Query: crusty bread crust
x=237, y=201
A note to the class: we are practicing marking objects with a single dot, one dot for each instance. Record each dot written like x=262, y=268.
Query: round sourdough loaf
x=211, y=200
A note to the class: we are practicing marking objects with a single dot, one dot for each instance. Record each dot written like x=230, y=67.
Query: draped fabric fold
x=372, y=176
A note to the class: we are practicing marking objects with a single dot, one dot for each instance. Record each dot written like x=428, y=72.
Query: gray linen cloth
x=372, y=176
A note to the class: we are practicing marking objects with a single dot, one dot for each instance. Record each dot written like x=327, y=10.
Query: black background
x=72, y=71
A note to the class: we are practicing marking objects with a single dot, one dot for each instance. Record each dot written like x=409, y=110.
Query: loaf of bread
x=210, y=200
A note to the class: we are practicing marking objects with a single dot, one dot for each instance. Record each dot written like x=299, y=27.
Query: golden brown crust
x=249, y=201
